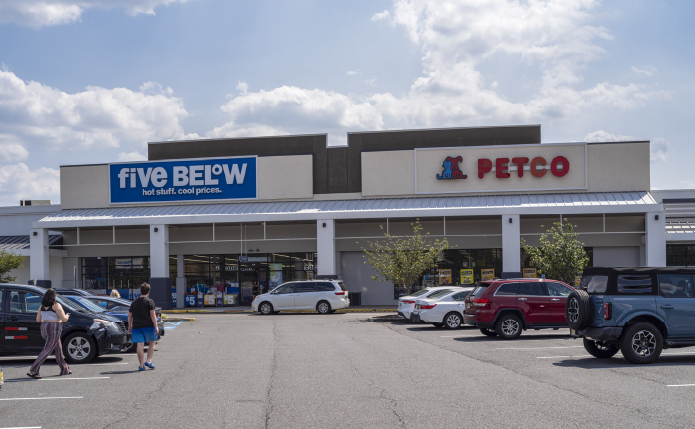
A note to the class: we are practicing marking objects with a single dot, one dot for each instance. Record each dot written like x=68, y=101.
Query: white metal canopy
x=560, y=204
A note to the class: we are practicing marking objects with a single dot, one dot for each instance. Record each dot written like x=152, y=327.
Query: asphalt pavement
x=337, y=370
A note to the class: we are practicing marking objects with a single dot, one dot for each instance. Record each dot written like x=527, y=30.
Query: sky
x=92, y=81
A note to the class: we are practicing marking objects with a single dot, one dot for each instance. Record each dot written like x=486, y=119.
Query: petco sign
x=503, y=168
x=184, y=180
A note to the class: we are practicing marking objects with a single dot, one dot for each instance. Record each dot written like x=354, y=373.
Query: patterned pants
x=50, y=331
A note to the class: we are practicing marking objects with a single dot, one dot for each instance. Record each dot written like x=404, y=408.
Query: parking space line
x=47, y=397
x=560, y=357
x=24, y=427
x=679, y=385
x=54, y=379
x=539, y=348
x=71, y=365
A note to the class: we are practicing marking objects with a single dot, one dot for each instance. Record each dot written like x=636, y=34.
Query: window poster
x=467, y=276
x=445, y=277
x=529, y=273
x=488, y=274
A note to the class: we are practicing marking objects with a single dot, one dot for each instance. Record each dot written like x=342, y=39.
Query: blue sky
x=84, y=83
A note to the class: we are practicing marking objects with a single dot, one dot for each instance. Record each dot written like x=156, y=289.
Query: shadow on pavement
x=483, y=338
x=618, y=362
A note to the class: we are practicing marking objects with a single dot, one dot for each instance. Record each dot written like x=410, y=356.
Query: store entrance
x=253, y=280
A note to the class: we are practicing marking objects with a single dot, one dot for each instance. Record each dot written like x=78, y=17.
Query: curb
x=179, y=319
x=202, y=311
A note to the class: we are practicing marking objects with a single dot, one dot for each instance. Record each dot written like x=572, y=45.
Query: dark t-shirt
x=141, y=312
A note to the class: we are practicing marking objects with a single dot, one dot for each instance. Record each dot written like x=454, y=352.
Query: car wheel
x=600, y=349
x=488, y=332
x=265, y=308
x=79, y=347
x=578, y=310
x=438, y=325
x=508, y=327
x=323, y=307
x=642, y=343
x=452, y=321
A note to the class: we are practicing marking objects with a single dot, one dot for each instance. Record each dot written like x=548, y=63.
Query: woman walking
x=51, y=316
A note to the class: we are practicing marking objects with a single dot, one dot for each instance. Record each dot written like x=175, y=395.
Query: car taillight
x=607, y=310
x=427, y=306
x=342, y=292
x=408, y=302
x=480, y=302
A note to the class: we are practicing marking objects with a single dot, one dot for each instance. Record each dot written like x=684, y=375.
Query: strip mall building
x=267, y=210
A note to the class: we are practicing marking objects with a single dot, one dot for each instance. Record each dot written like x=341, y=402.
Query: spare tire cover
x=579, y=310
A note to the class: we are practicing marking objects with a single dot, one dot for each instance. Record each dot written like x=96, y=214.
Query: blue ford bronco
x=638, y=311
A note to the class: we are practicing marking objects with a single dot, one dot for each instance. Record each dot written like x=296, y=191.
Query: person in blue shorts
x=142, y=326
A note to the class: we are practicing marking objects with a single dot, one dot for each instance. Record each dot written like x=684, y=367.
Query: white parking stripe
x=560, y=357
x=679, y=385
x=71, y=365
x=24, y=427
x=540, y=348
x=53, y=379
x=47, y=397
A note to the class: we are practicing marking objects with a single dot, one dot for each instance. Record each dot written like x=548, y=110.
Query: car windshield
x=479, y=290
x=439, y=294
x=89, y=305
x=68, y=304
x=123, y=302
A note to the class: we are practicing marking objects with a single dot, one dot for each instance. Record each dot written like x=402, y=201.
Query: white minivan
x=324, y=296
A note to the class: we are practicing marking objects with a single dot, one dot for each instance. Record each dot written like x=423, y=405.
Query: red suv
x=506, y=307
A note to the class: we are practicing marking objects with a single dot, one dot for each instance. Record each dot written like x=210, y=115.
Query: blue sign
x=184, y=180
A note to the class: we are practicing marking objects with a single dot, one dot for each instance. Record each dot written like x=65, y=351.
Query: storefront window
x=115, y=273
x=680, y=255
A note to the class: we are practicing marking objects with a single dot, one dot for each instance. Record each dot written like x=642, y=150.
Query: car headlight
x=98, y=323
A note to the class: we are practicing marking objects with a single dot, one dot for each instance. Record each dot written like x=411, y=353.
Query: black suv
x=637, y=311
x=85, y=335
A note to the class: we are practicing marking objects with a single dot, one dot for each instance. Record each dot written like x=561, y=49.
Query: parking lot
x=309, y=370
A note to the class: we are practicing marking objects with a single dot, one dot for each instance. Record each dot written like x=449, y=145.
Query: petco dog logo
x=451, y=169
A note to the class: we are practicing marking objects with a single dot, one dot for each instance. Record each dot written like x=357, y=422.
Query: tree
x=560, y=255
x=8, y=262
x=403, y=260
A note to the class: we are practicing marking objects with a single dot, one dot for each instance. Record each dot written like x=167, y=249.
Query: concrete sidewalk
x=222, y=310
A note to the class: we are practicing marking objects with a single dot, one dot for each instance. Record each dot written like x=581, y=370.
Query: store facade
x=242, y=215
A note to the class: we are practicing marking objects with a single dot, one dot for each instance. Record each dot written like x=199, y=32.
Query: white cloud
x=40, y=13
x=18, y=182
x=352, y=72
x=242, y=86
x=604, y=136
x=39, y=116
x=457, y=37
x=11, y=151
x=659, y=149
x=131, y=156
x=645, y=71
x=385, y=15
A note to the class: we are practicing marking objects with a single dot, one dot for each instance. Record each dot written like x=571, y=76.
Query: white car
x=324, y=296
x=443, y=308
x=406, y=304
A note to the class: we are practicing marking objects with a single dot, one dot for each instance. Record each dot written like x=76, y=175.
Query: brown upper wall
x=338, y=169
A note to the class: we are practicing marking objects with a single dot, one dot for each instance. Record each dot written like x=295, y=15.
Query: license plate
x=468, y=305
x=417, y=307
x=573, y=331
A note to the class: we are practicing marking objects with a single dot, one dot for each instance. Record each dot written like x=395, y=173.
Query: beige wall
x=388, y=173
x=285, y=177
x=84, y=186
x=279, y=178
x=609, y=167
x=619, y=167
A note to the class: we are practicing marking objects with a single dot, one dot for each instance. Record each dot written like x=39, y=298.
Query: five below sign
x=184, y=180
